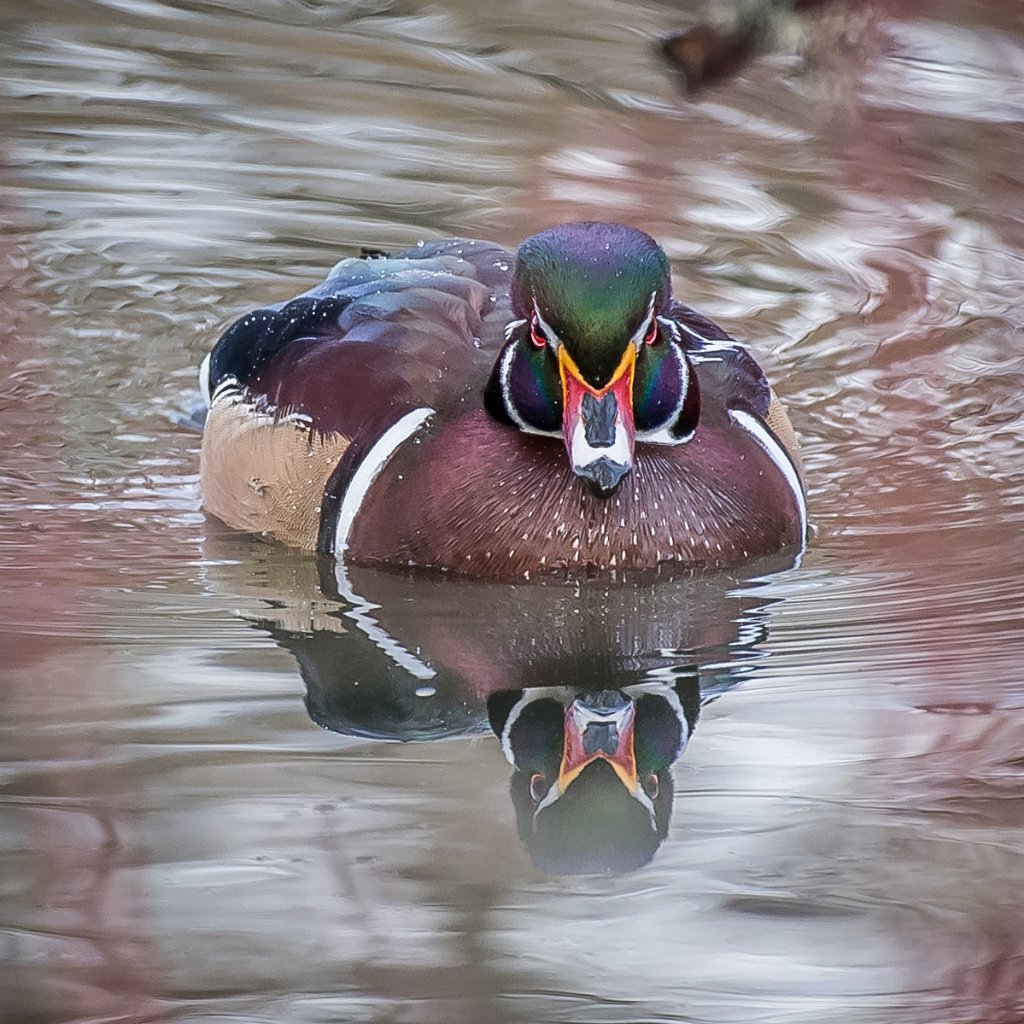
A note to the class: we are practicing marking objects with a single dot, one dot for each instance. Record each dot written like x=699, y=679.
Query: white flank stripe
x=373, y=462
x=763, y=436
x=359, y=613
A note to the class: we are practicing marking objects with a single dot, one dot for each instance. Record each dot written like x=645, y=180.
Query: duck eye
x=651, y=334
x=538, y=787
x=537, y=335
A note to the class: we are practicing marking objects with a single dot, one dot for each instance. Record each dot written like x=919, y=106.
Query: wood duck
x=455, y=408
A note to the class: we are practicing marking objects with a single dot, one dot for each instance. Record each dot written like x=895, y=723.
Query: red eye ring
x=538, y=787
x=536, y=334
x=651, y=334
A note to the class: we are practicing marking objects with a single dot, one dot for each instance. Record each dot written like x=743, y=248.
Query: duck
x=455, y=407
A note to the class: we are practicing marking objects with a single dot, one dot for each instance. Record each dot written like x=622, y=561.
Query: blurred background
x=180, y=842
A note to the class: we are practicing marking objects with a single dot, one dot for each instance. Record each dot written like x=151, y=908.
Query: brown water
x=179, y=841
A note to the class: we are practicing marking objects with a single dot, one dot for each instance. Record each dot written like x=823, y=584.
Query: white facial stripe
x=549, y=798
x=708, y=344
x=667, y=690
x=763, y=436
x=663, y=434
x=638, y=335
x=549, y=332
x=510, y=406
x=645, y=801
x=673, y=327
x=511, y=328
x=506, y=388
x=506, y=732
x=690, y=331
x=563, y=694
x=373, y=462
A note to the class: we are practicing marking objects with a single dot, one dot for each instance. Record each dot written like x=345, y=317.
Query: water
x=179, y=841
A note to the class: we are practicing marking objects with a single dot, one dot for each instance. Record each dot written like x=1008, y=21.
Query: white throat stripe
x=373, y=462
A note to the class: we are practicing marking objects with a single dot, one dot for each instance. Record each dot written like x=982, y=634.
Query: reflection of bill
x=592, y=787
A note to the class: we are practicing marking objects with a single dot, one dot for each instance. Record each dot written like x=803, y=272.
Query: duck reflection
x=592, y=787
x=593, y=691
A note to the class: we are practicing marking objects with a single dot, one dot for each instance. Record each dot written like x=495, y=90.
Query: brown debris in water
x=714, y=51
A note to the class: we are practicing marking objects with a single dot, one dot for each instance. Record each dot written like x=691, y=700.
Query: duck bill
x=594, y=732
x=597, y=423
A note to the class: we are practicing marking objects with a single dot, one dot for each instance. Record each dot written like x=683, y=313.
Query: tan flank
x=266, y=475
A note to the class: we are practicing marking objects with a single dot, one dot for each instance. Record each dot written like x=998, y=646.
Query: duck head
x=592, y=786
x=591, y=355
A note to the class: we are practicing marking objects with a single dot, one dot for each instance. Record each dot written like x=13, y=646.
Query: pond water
x=180, y=840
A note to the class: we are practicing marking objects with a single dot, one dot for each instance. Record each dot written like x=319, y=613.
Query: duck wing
x=417, y=328
x=730, y=377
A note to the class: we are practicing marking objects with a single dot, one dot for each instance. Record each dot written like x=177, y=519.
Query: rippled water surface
x=841, y=839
